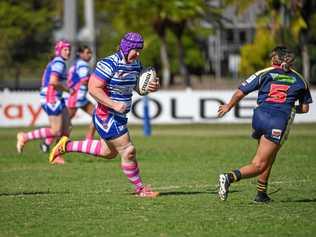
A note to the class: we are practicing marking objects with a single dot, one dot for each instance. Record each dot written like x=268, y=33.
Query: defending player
x=51, y=99
x=77, y=82
x=112, y=85
x=279, y=87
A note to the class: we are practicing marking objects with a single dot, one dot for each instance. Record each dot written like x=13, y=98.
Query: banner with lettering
x=165, y=107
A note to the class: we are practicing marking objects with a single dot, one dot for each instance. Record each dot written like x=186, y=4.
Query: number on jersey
x=278, y=93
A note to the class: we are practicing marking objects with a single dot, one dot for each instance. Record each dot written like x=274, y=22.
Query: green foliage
x=194, y=58
x=255, y=56
x=150, y=18
x=25, y=26
x=91, y=197
x=313, y=27
x=285, y=24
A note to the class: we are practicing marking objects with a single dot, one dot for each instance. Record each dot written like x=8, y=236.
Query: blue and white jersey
x=79, y=72
x=55, y=67
x=120, y=80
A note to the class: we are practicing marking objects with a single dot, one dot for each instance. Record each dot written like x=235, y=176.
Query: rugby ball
x=145, y=77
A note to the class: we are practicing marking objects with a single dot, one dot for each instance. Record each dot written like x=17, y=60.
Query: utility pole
x=70, y=31
x=87, y=33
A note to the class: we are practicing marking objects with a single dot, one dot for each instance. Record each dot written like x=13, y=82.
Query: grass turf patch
x=91, y=197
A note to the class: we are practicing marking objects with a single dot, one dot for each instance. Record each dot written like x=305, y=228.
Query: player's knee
x=128, y=152
x=260, y=165
x=110, y=154
x=56, y=132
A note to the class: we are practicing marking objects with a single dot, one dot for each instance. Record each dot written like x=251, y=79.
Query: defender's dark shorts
x=273, y=124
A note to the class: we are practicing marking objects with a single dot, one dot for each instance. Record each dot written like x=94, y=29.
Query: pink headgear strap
x=60, y=45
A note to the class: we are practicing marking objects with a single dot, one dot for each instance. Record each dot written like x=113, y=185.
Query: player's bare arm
x=96, y=90
x=302, y=108
x=54, y=81
x=223, y=109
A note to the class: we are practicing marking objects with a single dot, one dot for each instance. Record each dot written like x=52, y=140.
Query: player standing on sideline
x=51, y=99
x=112, y=85
x=279, y=87
x=77, y=82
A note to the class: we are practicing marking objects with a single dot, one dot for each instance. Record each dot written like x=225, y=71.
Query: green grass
x=91, y=197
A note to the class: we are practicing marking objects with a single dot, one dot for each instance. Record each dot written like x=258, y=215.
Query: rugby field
x=91, y=197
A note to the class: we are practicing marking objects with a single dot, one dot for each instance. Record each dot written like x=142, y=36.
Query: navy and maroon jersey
x=278, y=89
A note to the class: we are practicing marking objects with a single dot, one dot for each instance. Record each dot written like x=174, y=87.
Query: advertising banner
x=165, y=107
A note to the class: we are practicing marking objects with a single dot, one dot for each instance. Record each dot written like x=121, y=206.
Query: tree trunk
x=183, y=67
x=178, y=30
x=303, y=41
x=306, y=63
x=166, y=74
x=160, y=28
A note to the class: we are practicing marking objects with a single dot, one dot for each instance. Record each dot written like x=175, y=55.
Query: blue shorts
x=110, y=128
x=54, y=109
x=273, y=124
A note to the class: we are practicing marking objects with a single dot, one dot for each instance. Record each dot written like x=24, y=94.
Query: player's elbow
x=305, y=108
x=91, y=86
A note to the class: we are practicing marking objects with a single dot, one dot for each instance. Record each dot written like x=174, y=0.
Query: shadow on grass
x=300, y=200
x=29, y=193
x=175, y=193
x=275, y=191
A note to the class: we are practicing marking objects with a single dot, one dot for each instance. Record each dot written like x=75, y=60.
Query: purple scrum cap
x=131, y=40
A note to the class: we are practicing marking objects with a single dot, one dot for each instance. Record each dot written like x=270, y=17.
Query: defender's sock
x=92, y=147
x=234, y=176
x=38, y=134
x=132, y=172
x=262, y=187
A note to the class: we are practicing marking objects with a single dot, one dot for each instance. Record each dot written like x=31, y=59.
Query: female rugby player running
x=51, y=99
x=78, y=78
x=112, y=85
x=77, y=81
x=279, y=87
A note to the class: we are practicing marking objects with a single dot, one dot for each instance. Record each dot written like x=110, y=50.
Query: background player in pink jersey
x=112, y=84
x=51, y=99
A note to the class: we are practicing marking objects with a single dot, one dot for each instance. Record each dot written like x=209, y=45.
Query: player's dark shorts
x=54, y=109
x=273, y=124
x=111, y=127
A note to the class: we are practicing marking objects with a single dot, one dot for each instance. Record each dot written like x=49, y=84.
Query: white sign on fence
x=23, y=108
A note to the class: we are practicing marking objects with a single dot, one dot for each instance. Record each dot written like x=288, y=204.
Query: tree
x=289, y=22
x=26, y=28
x=158, y=17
